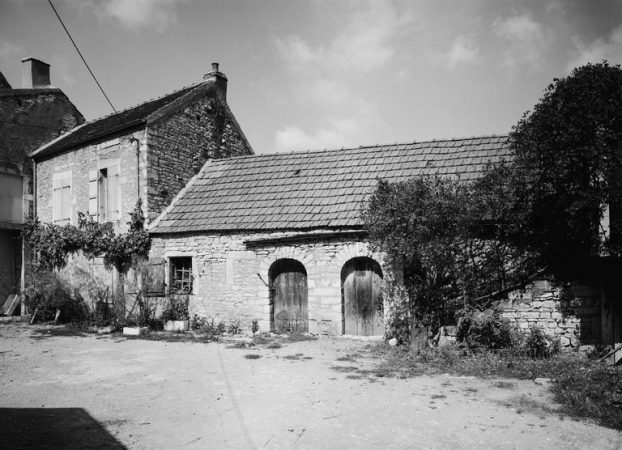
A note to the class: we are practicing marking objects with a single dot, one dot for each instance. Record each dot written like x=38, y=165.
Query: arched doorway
x=289, y=297
x=361, y=297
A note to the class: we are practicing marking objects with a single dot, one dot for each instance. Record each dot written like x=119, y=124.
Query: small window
x=108, y=182
x=181, y=275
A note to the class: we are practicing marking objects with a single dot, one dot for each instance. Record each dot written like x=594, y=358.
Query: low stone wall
x=570, y=313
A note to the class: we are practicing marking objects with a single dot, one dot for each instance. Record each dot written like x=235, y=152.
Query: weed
x=344, y=369
x=274, y=345
x=252, y=356
x=504, y=385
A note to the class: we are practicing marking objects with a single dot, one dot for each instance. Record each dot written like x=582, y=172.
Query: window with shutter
x=108, y=193
x=61, y=199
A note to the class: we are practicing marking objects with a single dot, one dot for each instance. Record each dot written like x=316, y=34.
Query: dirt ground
x=109, y=392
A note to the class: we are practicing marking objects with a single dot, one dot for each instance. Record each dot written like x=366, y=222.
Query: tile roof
x=116, y=122
x=315, y=189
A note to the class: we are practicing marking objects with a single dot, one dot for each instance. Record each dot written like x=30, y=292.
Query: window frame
x=181, y=265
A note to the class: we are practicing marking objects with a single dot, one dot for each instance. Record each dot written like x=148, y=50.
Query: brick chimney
x=35, y=73
x=219, y=79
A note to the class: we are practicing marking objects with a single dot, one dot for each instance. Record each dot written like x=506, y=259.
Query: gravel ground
x=62, y=391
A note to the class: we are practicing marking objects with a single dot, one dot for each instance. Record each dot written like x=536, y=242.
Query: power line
x=83, y=60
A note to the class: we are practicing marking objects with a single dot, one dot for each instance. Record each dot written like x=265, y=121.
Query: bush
x=177, y=308
x=538, y=345
x=486, y=329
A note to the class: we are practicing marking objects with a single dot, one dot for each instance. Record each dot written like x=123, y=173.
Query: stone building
x=278, y=239
x=146, y=152
x=30, y=116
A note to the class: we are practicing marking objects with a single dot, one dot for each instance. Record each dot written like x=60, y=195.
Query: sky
x=316, y=74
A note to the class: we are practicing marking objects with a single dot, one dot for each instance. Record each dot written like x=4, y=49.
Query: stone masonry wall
x=79, y=162
x=180, y=145
x=570, y=313
x=231, y=278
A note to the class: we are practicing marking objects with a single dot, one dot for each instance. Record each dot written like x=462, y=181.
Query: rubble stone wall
x=180, y=145
x=570, y=313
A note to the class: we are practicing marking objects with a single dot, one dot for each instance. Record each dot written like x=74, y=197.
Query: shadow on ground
x=53, y=429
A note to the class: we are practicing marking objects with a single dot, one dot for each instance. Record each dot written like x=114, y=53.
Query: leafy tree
x=566, y=171
x=436, y=231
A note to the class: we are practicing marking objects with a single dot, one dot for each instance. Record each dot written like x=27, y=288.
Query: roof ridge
x=360, y=147
x=145, y=102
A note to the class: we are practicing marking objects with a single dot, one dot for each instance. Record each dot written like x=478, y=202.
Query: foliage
x=437, y=230
x=487, y=330
x=591, y=390
x=177, y=308
x=538, y=345
x=45, y=292
x=566, y=169
x=52, y=244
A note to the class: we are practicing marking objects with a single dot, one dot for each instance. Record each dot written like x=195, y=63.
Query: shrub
x=538, y=345
x=486, y=329
x=177, y=308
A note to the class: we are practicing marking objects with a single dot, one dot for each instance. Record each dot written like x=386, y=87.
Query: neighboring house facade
x=146, y=152
x=30, y=116
x=278, y=238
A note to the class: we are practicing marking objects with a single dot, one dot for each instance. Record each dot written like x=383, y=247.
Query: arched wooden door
x=361, y=296
x=290, y=297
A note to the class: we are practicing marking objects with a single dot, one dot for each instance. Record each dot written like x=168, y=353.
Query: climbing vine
x=52, y=244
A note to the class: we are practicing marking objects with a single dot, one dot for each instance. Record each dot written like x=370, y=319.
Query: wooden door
x=362, y=300
x=290, y=297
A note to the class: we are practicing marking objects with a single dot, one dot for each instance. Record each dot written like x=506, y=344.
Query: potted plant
x=176, y=316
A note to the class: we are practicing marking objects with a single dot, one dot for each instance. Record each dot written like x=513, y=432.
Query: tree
x=565, y=172
x=435, y=230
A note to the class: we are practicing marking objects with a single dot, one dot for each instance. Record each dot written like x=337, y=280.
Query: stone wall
x=180, y=145
x=231, y=277
x=570, y=313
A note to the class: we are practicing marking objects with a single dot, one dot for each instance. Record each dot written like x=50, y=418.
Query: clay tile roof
x=316, y=189
x=113, y=123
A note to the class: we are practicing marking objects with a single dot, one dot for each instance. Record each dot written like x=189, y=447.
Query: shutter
x=56, y=205
x=112, y=200
x=154, y=278
x=66, y=204
x=93, y=194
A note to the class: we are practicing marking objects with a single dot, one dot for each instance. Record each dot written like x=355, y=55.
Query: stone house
x=147, y=152
x=30, y=116
x=278, y=239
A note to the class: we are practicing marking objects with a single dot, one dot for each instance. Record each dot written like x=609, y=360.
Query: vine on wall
x=52, y=244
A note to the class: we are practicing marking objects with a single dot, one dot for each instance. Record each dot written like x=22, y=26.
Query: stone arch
x=289, y=296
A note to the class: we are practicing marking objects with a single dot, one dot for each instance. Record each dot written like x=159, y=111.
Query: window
x=104, y=193
x=61, y=198
x=181, y=275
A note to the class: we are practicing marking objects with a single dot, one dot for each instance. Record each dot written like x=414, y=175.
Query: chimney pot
x=214, y=67
x=35, y=73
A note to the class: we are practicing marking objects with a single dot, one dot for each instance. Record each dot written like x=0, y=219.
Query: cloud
x=135, y=14
x=365, y=43
x=608, y=48
x=526, y=38
x=292, y=138
x=462, y=51
x=333, y=77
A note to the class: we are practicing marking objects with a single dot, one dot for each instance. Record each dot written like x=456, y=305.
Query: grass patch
x=345, y=369
x=252, y=356
x=584, y=388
